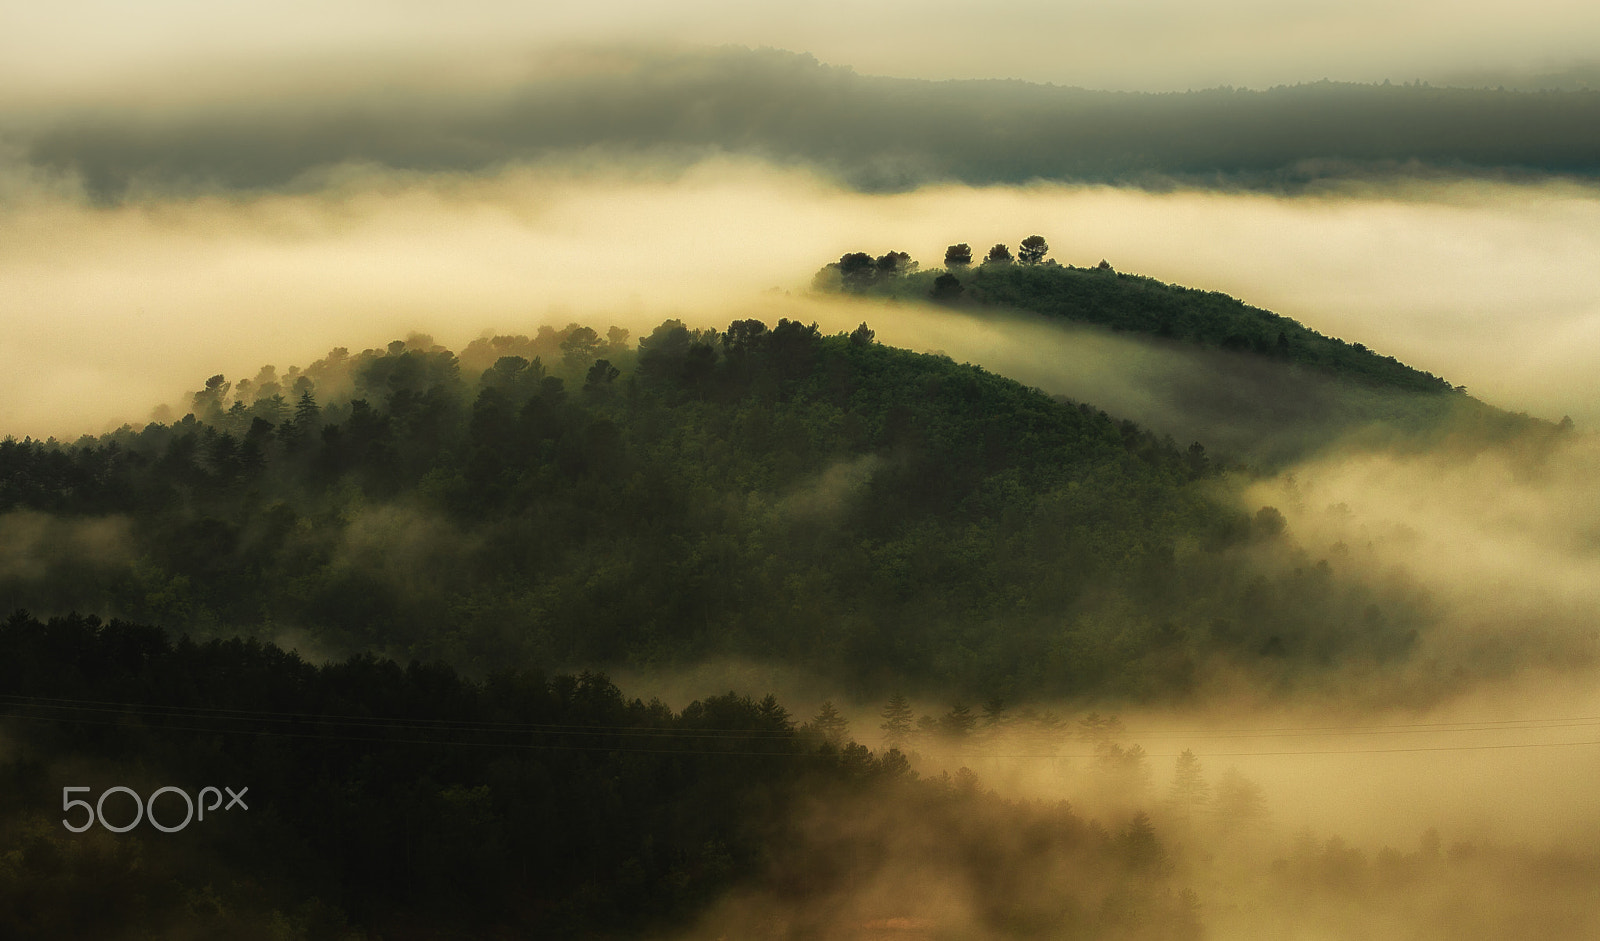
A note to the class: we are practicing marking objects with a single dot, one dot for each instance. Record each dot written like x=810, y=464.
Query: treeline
x=872, y=133
x=407, y=802
x=1124, y=302
x=886, y=518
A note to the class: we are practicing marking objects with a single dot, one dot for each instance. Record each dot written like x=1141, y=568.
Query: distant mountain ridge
x=870, y=133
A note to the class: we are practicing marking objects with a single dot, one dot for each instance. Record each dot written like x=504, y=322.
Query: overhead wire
x=632, y=737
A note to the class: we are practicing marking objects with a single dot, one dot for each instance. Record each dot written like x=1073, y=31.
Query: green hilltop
x=1258, y=387
x=1126, y=302
x=510, y=517
x=880, y=516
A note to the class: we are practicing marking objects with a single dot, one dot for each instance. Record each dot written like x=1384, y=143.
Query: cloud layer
x=870, y=133
x=1151, y=45
x=112, y=310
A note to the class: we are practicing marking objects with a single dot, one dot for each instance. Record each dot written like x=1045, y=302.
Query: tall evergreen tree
x=896, y=722
x=1189, y=792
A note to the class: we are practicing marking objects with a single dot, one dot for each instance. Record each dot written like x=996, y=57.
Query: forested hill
x=566, y=500
x=1124, y=302
x=389, y=802
x=872, y=133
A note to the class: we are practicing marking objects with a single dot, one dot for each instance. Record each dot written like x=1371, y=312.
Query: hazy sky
x=1145, y=45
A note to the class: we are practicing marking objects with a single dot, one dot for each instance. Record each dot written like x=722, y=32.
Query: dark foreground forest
x=410, y=802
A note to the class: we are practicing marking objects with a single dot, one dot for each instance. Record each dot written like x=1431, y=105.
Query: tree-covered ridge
x=877, y=515
x=1109, y=298
x=872, y=133
x=406, y=800
x=390, y=801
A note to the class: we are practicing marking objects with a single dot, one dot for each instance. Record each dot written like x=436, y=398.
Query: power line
x=1476, y=725
x=695, y=736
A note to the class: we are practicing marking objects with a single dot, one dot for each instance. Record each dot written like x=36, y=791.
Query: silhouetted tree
x=829, y=724
x=580, y=348
x=998, y=255
x=1097, y=729
x=601, y=375
x=307, y=413
x=1032, y=250
x=743, y=338
x=1141, y=847
x=662, y=353
x=1269, y=522
x=1238, y=804
x=773, y=717
x=1189, y=792
x=857, y=271
x=958, y=722
x=995, y=716
x=958, y=256
x=207, y=403
x=513, y=374
x=946, y=288
x=894, y=264
x=896, y=722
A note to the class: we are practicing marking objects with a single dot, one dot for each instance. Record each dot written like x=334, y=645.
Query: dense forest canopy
x=1258, y=387
x=884, y=517
x=405, y=801
x=390, y=801
x=1124, y=302
x=509, y=520
x=981, y=597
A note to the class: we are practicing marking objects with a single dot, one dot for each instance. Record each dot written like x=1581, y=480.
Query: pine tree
x=896, y=722
x=1189, y=792
x=959, y=721
x=828, y=723
x=307, y=413
x=1239, y=804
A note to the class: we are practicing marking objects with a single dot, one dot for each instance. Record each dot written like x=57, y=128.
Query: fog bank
x=111, y=311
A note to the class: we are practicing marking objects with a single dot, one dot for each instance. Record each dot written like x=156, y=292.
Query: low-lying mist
x=1445, y=795
x=1506, y=540
x=235, y=130
x=1502, y=760
x=111, y=311
x=1470, y=820
x=1335, y=675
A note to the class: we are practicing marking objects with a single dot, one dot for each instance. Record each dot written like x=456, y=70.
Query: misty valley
x=751, y=629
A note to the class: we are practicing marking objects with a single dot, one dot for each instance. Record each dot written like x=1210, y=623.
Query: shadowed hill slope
x=882, y=516
x=1254, y=384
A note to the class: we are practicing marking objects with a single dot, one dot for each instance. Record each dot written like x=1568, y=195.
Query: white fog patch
x=1506, y=538
x=826, y=495
x=404, y=547
x=111, y=311
x=32, y=544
